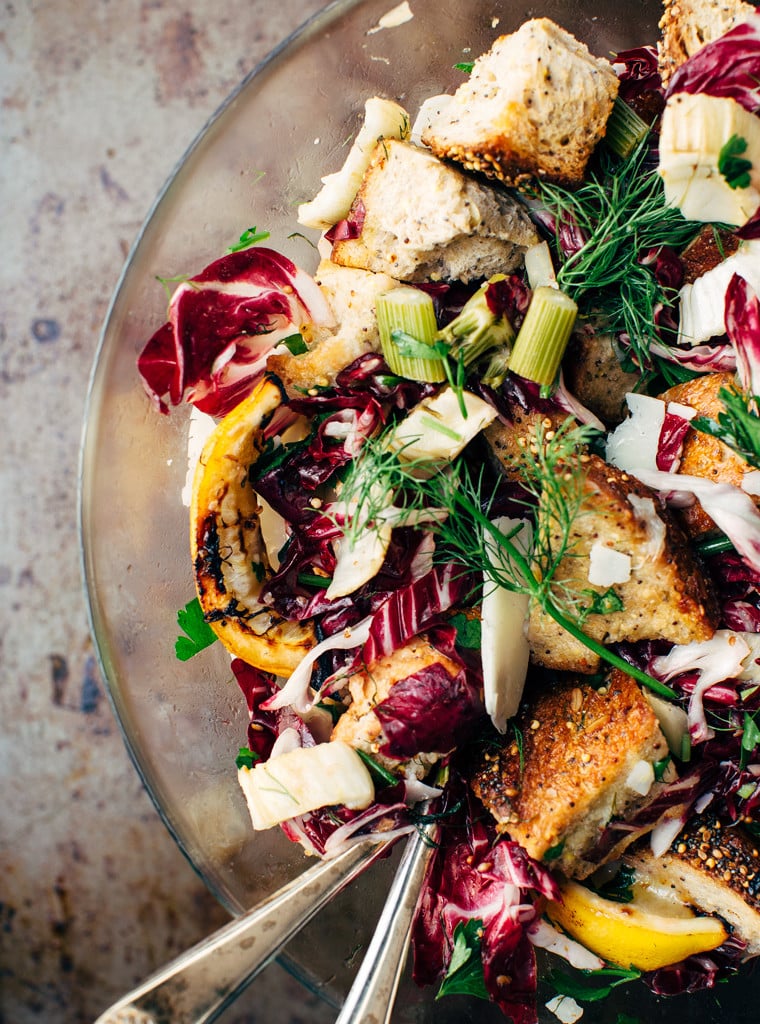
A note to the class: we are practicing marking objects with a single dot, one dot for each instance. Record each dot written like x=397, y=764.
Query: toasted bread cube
x=666, y=596
x=713, y=866
x=535, y=105
x=581, y=748
x=425, y=220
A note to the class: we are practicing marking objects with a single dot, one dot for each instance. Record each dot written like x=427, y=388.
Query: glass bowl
x=263, y=153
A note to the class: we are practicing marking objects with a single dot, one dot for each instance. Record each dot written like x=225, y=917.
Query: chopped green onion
x=309, y=579
x=713, y=546
x=543, y=336
x=411, y=311
x=477, y=328
x=625, y=129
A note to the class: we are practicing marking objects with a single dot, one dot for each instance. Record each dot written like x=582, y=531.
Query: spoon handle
x=201, y=982
x=373, y=992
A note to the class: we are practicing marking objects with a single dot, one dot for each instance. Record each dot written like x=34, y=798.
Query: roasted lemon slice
x=229, y=555
x=629, y=936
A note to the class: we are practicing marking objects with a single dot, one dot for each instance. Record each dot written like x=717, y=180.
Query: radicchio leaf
x=430, y=711
x=727, y=66
x=638, y=71
x=222, y=325
x=743, y=329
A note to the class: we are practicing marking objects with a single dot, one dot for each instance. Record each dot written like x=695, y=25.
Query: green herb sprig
x=464, y=975
x=591, y=986
x=198, y=634
x=732, y=165
x=738, y=426
x=621, y=211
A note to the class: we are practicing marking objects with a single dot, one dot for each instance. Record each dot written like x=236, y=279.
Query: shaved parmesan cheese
x=565, y=1009
x=303, y=780
x=504, y=650
x=640, y=778
x=674, y=722
x=430, y=111
x=607, y=566
x=634, y=444
x=274, y=531
x=436, y=429
x=645, y=511
x=751, y=482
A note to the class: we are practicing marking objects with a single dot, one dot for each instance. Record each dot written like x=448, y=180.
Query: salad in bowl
x=474, y=506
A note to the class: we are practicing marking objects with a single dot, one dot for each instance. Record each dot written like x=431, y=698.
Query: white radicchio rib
x=729, y=507
x=716, y=659
x=296, y=692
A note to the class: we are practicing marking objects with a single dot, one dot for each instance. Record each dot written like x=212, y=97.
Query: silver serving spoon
x=200, y=983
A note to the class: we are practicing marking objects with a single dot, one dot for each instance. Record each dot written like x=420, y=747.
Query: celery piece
x=625, y=129
x=477, y=328
x=544, y=335
x=410, y=311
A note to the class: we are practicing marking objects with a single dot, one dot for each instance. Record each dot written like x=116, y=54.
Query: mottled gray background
x=99, y=100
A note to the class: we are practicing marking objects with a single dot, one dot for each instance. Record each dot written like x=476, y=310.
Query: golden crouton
x=594, y=375
x=688, y=24
x=556, y=791
x=535, y=105
x=422, y=219
x=666, y=595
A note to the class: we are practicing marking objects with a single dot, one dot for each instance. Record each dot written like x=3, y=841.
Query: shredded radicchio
x=743, y=329
x=638, y=71
x=222, y=325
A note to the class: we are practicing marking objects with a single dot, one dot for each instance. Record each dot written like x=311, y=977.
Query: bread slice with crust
x=422, y=219
x=666, y=596
x=573, y=774
x=713, y=865
x=536, y=104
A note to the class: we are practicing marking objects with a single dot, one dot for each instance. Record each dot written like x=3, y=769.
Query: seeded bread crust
x=535, y=105
x=667, y=596
x=424, y=220
x=688, y=24
x=579, y=746
x=713, y=866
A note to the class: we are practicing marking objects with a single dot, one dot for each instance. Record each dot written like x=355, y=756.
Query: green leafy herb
x=750, y=737
x=464, y=975
x=738, y=425
x=591, y=986
x=600, y=604
x=246, y=758
x=295, y=344
x=621, y=212
x=468, y=631
x=311, y=579
x=619, y=887
x=661, y=767
x=732, y=165
x=198, y=634
x=249, y=237
x=466, y=66
x=555, y=852
x=380, y=772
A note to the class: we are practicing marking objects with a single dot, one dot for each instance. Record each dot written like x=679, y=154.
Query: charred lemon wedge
x=229, y=555
x=627, y=935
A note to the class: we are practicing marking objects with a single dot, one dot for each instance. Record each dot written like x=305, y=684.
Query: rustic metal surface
x=98, y=101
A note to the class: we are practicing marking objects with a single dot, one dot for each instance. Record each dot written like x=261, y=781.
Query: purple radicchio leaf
x=728, y=66
x=743, y=329
x=222, y=325
x=638, y=71
x=431, y=711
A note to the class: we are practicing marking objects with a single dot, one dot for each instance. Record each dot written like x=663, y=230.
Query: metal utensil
x=200, y=983
x=373, y=992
